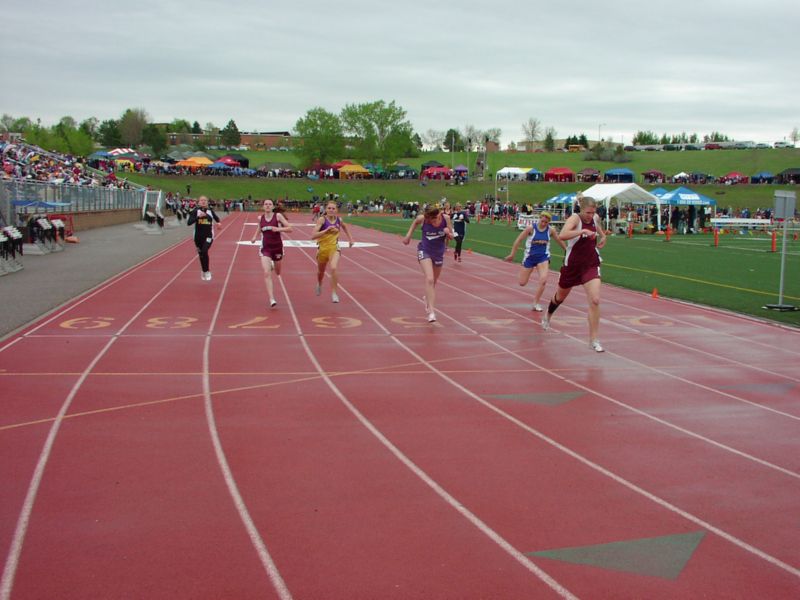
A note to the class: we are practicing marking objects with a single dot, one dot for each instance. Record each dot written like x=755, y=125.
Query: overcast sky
x=576, y=65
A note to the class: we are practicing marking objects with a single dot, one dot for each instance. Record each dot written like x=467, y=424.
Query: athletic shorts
x=437, y=261
x=273, y=252
x=324, y=254
x=531, y=260
x=572, y=276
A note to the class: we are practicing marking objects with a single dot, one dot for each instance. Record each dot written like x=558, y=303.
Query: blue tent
x=534, y=175
x=218, y=165
x=99, y=155
x=619, y=176
x=659, y=191
x=762, y=177
x=683, y=196
x=562, y=199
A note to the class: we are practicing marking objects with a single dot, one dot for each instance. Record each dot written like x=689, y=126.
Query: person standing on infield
x=203, y=218
x=436, y=230
x=326, y=233
x=537, y=253
x=270, y=225
x=584, y=235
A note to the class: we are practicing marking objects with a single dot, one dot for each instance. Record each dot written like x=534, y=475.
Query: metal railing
x=50, y=198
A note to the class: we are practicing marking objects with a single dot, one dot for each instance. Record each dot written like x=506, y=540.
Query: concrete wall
x=91, y=219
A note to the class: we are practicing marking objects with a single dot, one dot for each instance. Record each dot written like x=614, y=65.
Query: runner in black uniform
x=203, y=217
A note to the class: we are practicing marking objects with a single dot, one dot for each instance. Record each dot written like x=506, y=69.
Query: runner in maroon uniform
x=584, y=235
x=271, y=225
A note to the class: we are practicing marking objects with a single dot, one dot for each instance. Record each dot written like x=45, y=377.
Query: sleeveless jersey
x=270, y=239
x=433, y=238
x=330, y=241
x=538, y=244
x=583, y=251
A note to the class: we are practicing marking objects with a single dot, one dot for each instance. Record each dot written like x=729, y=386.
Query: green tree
x=108, y=133
x=179, y=126
x=323, y=137
x=452, y=141
x=89, y=127
x=155, y=138
x=230, y=135
x=417, y=140
x=131, y=126
x=196, y=128
x=583, y=141
x=549, y=140
x=380, y=132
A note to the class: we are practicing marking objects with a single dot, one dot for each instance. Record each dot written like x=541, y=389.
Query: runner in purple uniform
x=436, y=229
x=270, y=225
x=584, y=235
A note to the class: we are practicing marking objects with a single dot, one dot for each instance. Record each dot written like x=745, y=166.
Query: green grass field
x=739, y=275
x=717, y=162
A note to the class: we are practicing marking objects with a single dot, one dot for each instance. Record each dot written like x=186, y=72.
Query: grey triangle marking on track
x=664, y=556
x=775, y=389
x=553, y=399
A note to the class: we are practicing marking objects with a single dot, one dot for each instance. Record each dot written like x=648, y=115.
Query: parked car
x=761, y=146
x=630, y=148
x=784, y=145
x=712, y=146
x=671, y=147
x=691, y=147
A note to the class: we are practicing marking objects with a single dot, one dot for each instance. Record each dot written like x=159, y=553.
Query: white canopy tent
x=623, y=192
x=514, y=173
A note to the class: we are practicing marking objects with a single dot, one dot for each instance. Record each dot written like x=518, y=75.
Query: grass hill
x=715, y=162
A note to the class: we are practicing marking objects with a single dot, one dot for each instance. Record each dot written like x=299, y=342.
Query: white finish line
x=310, y=244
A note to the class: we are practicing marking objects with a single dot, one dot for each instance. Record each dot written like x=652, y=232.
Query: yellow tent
x=352, y=172
x=200, y=161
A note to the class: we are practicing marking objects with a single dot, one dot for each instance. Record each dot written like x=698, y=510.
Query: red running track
x=166, y=437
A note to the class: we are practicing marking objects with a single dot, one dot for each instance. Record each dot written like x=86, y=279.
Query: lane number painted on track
x=87, y=323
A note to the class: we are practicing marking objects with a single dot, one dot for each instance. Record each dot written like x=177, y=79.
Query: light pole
x=599, y=128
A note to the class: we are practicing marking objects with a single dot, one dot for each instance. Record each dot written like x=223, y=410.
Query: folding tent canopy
x=534, y=175
x=789, y=176
x=431, y=163
x=515, y=173
x=461, y=169
x=559, y=174
x=619, y=176
x=684, y=196
x=589, y=174
x=762, y=177
x=623, y=192
x=351, y=170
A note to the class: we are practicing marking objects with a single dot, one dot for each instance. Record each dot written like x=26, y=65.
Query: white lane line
x=12, y=560
x=586, y=461
x=264, y=556
x=484, y=528
x=618, y=325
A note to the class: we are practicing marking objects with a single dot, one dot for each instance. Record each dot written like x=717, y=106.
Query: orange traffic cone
x=655, y=293
x=469, y=250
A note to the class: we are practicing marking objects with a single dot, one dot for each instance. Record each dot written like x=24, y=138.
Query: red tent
x=341, y=164
x=229, y=161
x=734, y=177
x=559, y=174
x=437, y=173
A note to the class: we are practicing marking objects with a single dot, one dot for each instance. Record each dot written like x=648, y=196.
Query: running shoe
x=318, y=290
x=546, y=322
x=203, y=275
x=273, y=303
x=208, y=275
x=537, y=307
x=335, y=298
x=431, y=318
x=595, y=345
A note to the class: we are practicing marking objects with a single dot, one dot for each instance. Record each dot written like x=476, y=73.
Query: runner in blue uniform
x=537, y=253
x=436, y=229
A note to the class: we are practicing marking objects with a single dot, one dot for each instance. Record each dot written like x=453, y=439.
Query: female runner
x=271, y=225
x=436, y=230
